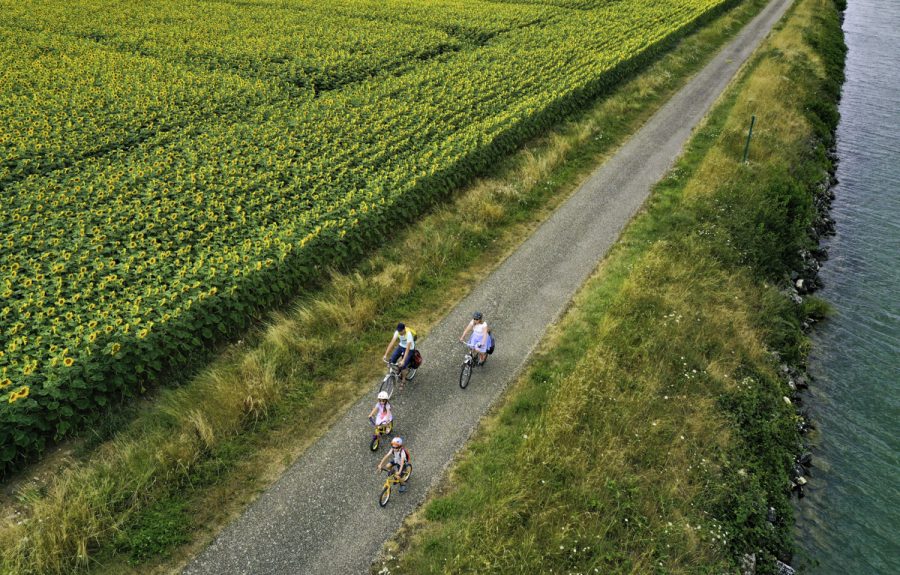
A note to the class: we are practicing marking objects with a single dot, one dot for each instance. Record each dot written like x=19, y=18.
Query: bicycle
x=392, y=480
x=393, y=376
x=380, y=430
x=470, y=360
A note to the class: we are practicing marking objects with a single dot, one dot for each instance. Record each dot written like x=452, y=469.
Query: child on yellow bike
x=381, y=414
x=399, y=457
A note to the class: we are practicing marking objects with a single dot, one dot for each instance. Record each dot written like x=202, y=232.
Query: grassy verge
x=650, y=434
x=147, y=498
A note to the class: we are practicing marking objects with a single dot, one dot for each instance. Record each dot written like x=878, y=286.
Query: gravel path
x=305, y=525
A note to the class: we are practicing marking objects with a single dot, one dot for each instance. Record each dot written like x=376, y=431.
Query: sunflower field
x=169, y=166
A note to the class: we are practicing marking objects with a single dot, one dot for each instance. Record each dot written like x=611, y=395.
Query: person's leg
x=478, y=344
x=402, y=483
x=403, y=368
x=396, y=354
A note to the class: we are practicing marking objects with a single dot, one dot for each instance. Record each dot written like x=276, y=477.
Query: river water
x=849, y=522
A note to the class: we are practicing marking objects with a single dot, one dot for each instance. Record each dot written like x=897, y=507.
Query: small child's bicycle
x=378, y=432
x=392, y=480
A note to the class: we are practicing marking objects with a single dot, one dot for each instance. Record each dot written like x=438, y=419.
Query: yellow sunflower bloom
x=20, y=393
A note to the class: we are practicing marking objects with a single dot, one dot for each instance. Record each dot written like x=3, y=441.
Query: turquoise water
x=849, y=522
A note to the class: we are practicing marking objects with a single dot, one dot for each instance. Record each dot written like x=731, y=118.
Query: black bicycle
x=470, y=360
x=392, y=377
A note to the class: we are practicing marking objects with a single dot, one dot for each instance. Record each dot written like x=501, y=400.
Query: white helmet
x=397, y=442
x=383, y=395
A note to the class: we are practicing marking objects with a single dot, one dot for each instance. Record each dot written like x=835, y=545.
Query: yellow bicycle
x=378, y=432
x=392, y=480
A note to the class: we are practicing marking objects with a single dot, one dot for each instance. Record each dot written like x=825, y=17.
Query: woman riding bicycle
x=405, y=340
x=381, y=414
x=399, y=457
x=481, y=336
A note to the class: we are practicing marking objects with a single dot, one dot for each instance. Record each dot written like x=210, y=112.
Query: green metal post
x=749, y=135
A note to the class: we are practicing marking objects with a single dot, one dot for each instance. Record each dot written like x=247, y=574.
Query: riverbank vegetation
x=143, y=495
x=652, y=432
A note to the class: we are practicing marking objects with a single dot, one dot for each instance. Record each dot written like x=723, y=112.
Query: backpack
x=417, y=359
x=490, y=350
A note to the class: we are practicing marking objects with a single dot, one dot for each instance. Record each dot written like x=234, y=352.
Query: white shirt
x=399, y=456
x=406, y=340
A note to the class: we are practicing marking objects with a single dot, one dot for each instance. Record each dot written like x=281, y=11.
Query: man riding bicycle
x=399, y=457
x=405, y=340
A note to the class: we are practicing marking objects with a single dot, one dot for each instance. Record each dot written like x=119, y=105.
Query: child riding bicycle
x=399, y=457
x=382, y=414
x=382, y=419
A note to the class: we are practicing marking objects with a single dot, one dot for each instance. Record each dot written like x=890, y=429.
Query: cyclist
x=381, y=414
x=405, y=340
x=480, y=340
x=399, y=457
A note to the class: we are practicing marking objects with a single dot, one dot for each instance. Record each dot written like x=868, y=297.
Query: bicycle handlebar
x=474, y=349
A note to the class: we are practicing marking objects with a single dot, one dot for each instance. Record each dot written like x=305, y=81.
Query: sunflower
x=20, y=393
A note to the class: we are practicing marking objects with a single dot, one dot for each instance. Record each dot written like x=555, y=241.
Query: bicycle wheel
x=385, y=495
x=465, y=374
x=376, y=440
x=410, y=373
x=407, y=471
x=387, y=384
